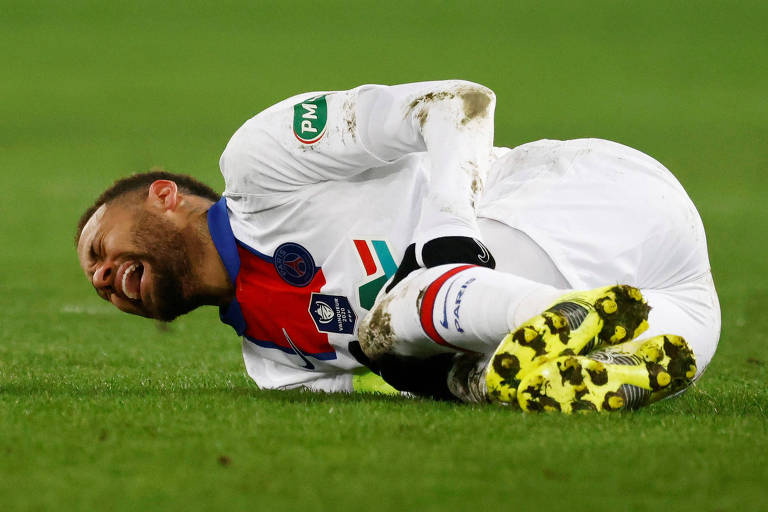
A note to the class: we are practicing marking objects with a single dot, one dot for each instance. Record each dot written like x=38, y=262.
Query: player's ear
x=164, y=194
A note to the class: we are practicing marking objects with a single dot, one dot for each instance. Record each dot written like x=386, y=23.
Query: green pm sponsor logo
x=309, y=120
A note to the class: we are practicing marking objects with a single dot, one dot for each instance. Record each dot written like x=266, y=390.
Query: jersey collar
x=226, y=245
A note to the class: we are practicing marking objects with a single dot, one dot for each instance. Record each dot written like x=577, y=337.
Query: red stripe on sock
x=428, y=307
x=366, y=256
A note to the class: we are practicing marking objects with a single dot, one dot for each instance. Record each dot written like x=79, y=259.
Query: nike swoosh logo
x=484, y=256
x=444, y=321
x=308, y=364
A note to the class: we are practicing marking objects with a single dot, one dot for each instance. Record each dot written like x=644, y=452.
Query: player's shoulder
x=267, y=125
x=285, y=146
x=300, y=118
x=261, y=120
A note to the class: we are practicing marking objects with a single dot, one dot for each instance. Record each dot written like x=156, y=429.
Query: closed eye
x=96, y=249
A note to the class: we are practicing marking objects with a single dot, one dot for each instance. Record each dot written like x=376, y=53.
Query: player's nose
x=103, y=275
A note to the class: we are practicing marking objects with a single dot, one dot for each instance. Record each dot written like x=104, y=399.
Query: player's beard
x=166, y=249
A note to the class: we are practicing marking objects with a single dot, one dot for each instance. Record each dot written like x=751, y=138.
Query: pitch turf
x=100, y=411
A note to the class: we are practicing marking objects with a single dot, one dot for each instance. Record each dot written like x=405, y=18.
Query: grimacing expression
x=138, y=261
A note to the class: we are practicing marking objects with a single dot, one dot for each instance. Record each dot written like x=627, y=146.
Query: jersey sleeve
x=324, y=136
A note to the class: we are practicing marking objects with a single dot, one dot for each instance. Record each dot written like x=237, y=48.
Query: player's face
x=137, y=261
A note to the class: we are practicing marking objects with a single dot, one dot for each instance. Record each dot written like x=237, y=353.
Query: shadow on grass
x=735, y=399
x=49, y=388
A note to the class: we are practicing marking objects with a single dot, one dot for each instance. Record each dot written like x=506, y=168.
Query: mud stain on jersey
x=375, y=335
x=421, y=104
x=431, y=97
x=475, y=105
x=472, y=169
x=350, y=118
x=477, y=188
x=477, y=184
x=421, y=116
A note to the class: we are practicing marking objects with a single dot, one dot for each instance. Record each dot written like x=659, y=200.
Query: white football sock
x=459, y=307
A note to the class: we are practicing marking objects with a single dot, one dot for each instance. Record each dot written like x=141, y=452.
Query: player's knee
x=375, y=334
x=393, y=325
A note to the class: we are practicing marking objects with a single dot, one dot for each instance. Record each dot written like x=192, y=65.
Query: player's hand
x=422, y=377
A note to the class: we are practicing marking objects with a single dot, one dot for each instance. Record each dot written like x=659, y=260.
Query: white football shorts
x=587, y=213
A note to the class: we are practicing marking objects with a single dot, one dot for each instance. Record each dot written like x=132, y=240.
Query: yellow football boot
x=626, y=376
x=577, y=323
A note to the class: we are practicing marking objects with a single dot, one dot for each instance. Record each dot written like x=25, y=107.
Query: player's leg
x=575, y=324
x=451, y=308
x=624, y=376
x=630, y=232
x=420, y=372
x=627, y=220
x=465, y=307
x=468, y=309
x=520, y=255
x=639, y=372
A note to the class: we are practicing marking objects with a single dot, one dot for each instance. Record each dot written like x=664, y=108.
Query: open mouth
x=130, y=283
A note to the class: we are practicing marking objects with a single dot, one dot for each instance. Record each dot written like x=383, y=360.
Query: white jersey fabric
x=325, y=190
x=605, y=213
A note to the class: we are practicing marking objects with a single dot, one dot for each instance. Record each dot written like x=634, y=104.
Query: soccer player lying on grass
x=326, y=192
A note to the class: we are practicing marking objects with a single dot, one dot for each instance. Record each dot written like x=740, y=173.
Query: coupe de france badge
x=309, y=120
x=332, y=313
x=294, y=264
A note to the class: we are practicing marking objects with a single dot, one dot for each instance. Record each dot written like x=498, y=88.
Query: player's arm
x=317, y=137
x=453, y=122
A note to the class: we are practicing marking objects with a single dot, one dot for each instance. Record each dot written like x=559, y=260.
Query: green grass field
x=102, y=411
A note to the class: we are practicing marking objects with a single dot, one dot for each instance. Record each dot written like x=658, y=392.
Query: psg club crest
x=294, y=264
x=332, y=313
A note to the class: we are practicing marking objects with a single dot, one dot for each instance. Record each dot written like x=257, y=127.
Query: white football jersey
x=323, y=193
x=325, y=190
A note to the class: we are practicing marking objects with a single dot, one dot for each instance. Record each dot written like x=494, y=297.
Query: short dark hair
x=137, y=182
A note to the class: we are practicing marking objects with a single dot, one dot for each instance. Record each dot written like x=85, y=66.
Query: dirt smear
x=475, y=105
x=473, y=170
x=477, y=185
x=376, y=335
x=350, y=118
x=422, y=117
x=419, y=300
x=430, y=98
x=421, y=104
